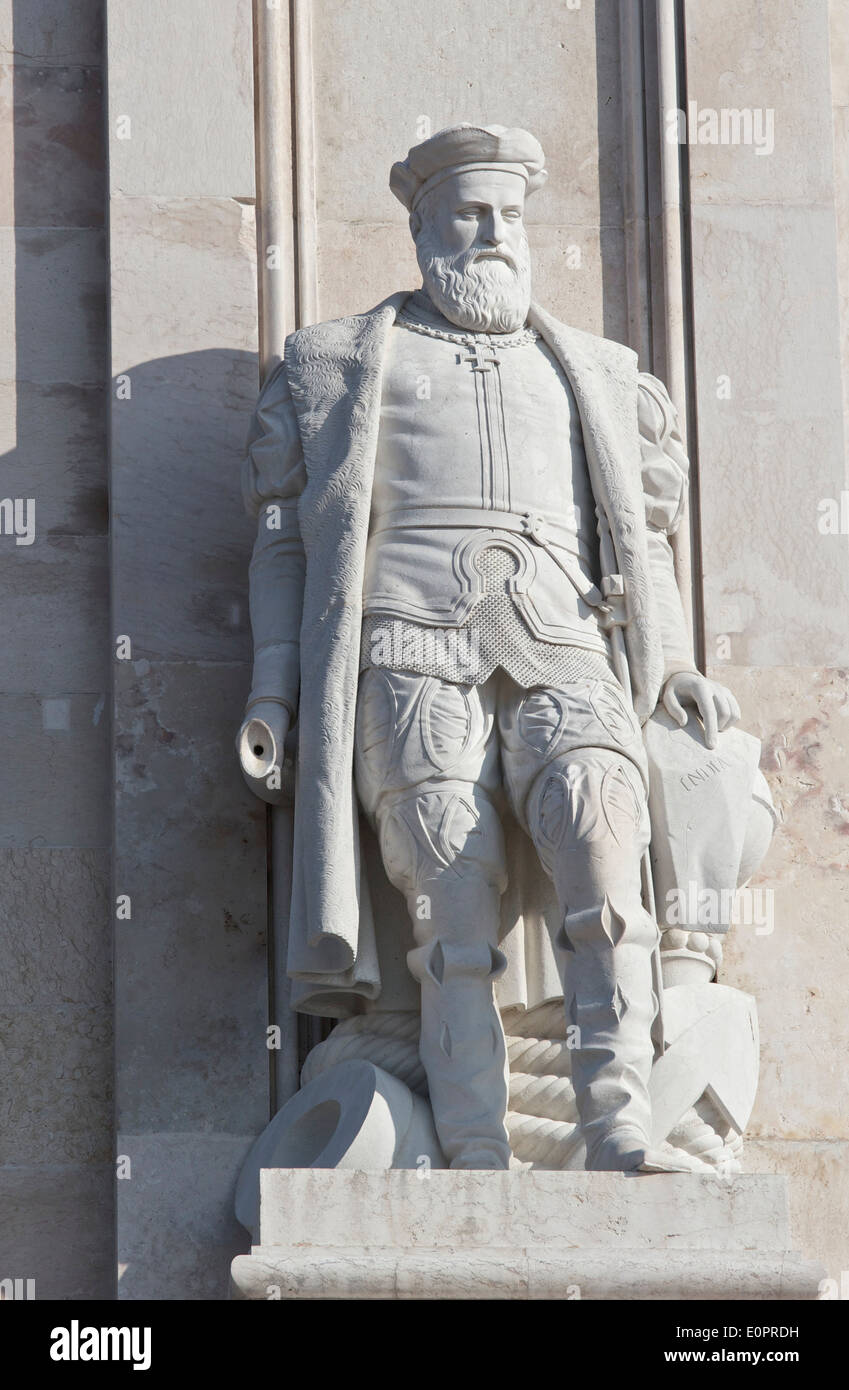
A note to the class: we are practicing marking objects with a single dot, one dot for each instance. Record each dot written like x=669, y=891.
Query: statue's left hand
x=716, y=705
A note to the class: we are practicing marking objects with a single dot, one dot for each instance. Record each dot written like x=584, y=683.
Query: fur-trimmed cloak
x=312, y=453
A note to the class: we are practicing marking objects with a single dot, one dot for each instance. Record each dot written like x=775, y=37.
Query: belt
x=548, y=533
x=530, y=524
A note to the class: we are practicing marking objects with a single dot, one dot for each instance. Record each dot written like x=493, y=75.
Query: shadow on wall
x=190, y=839
x=181, y=539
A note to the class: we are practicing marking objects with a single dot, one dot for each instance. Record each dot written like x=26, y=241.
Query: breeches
x=433, y=760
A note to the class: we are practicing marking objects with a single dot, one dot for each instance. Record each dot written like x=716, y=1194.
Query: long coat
x=312, y=454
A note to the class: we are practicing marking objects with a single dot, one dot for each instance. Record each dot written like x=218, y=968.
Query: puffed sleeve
x=273, y=478
x=274, y=466
x=665, y=477
x=665, y=467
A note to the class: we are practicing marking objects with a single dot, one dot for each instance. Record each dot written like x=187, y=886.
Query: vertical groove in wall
x=303, y=128
x=310, y=1031
x=657, y=241
x=274, y=184
x=673, y=363
x=635, y=180
x=644, y=191
x=689, y=345
x=113, y=759
x=258, y=38
x=276, y=302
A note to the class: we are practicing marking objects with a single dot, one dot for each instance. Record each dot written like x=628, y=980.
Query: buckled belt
x=530, y=524
x=548, y=533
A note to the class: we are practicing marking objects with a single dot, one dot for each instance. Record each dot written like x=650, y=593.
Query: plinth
x=406, y=1234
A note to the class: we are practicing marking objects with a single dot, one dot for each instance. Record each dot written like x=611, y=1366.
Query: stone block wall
x=56, y=1148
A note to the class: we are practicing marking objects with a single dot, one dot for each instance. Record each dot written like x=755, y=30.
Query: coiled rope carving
x=542, y=1120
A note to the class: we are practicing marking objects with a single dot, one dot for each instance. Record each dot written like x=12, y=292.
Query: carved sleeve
x=272, y=480
x=665, y=476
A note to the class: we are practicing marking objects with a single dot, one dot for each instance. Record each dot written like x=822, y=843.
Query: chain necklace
x=520, y=338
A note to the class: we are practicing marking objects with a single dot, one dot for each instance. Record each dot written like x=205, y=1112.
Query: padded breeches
x=432, y=761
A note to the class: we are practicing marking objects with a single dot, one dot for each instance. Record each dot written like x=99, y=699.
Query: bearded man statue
x=463, y=592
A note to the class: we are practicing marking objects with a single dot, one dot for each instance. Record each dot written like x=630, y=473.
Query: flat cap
x=467, y=147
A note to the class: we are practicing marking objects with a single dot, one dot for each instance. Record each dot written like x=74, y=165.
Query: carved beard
x=485, y=296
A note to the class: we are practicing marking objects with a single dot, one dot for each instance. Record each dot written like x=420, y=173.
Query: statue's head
x=465, y=189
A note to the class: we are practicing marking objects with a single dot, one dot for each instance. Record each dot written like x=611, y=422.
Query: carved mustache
x=494, y=254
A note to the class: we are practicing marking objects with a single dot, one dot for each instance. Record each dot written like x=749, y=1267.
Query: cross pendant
x=476, y=358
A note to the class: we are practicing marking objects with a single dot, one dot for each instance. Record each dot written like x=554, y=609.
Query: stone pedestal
x=528, y=1234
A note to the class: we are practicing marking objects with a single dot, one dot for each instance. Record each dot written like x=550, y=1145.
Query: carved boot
x=608, y=994
x=462, y=1044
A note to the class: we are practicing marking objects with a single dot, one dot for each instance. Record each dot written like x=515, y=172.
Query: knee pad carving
x=586, y=796
x=445, y=830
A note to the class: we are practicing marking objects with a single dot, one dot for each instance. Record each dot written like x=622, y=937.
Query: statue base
x=408, y=1234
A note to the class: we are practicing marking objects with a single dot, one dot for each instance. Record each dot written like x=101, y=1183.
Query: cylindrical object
x=353, y=1116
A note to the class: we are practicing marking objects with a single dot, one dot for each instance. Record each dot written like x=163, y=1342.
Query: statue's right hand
x=266, y=765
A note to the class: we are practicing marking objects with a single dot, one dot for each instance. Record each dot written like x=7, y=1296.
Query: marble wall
x=767, y=271
x=408, y=71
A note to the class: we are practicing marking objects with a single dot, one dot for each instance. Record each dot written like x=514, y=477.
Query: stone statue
x=463, y=601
